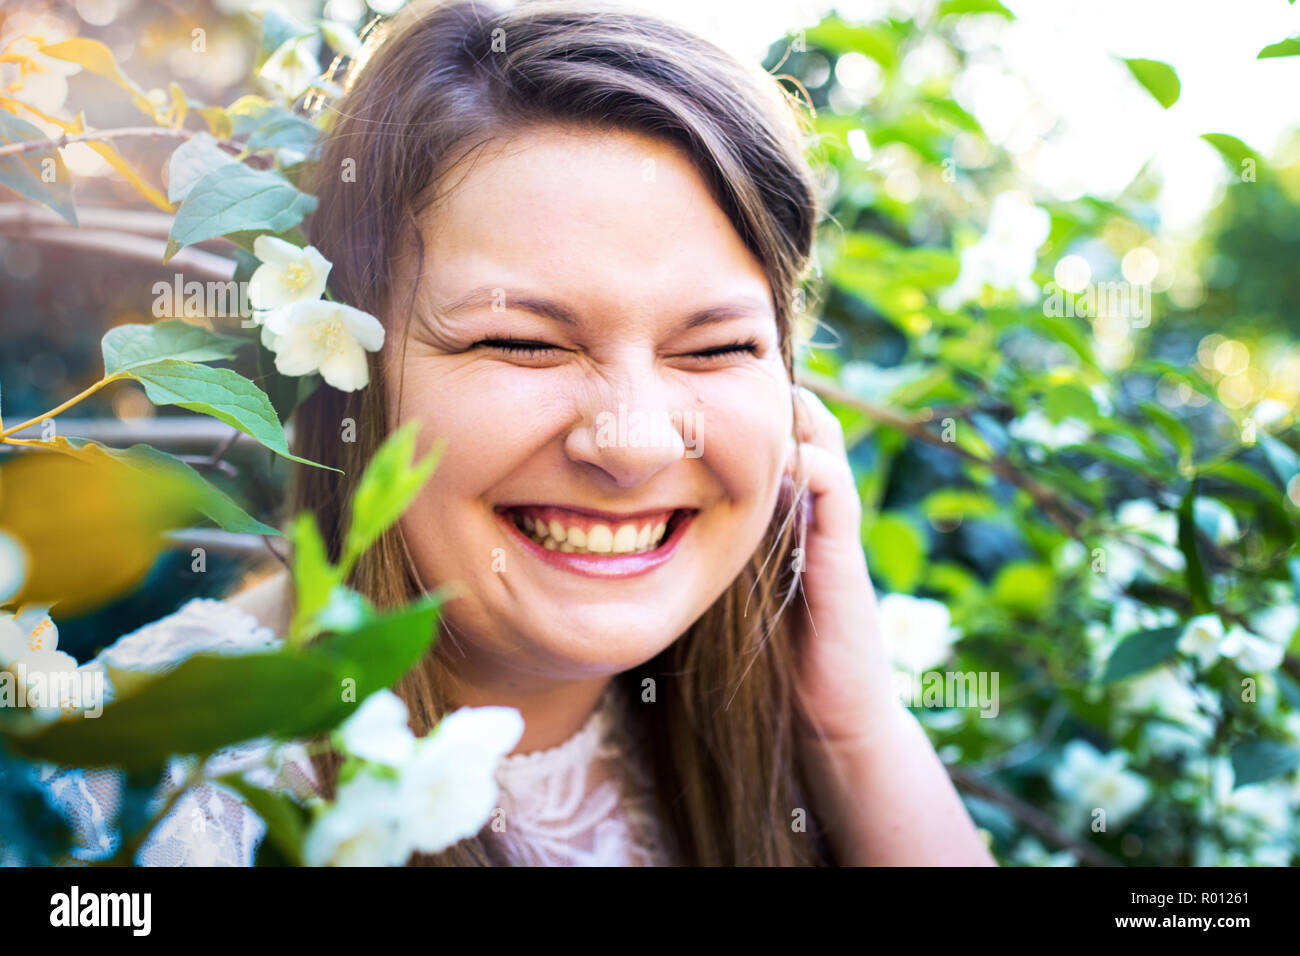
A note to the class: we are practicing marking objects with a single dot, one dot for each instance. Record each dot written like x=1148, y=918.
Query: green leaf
x=207, y=498
x=1140, y=652
x=966, y=7
x=235, y=198
x=1179, y=435
x=1158, y=79
x=314, y=578
x=947, y=504
x=26, y=173
x=207, y=702
x=896, y=550
x=1240, y=474
x=126, y=347
x=1283, y=461
x=191, y=161
x=1024, y=587
x=1288, y=47
x=280, y=129
x=1255, y=760
x=277, y=28
x=225, y=395
x=377, y=654
x=1289, y=687
x=1233, y=150
x=286, y=820
x=1194, y=571
x=386, y=489
x=838, y=37
x=1069, y=401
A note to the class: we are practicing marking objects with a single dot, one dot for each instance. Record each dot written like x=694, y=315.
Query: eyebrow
x=739, y=307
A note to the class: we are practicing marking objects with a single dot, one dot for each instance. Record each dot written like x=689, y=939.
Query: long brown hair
x=431, y=86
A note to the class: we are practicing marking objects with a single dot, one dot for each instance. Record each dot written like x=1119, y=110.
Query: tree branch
x=1034, y=820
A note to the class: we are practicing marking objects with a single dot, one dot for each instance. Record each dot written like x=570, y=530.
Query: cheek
x=744, y=430
x=491, y=421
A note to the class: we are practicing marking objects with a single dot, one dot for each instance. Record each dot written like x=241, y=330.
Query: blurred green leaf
x=1255, y=760
x=1024, y=587
x=1287, y=47
x=1194, y=570
x=1140, y=652
x=1158, y=79
x=896, y=550
x=26, y=173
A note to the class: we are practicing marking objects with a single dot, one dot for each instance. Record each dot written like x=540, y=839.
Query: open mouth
x=599, y=543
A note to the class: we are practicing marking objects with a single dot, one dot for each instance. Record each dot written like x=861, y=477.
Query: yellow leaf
x=98, y=58
x=92, y=526
x=179, y=109
x=114, y=159
x=109, y=154
x=218, y=121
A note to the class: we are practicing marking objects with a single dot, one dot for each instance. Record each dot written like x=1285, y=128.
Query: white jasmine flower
x=917, y=631
x=365, y=826
x=1159, y=532
x=287, y=275
x=1203, y=639
x=326, y=337
x=13, y=566
x=1278, y=623
x=444, y=790
x=1090, y=780
x=29, y=651
x=450, y=782
x=292, y=68
x=1251, y=652
x=1164, y=692
x=377, y=730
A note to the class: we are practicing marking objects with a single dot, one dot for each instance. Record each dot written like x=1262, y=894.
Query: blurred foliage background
x=1074, y=431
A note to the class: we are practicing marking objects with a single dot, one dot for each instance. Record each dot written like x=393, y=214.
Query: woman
x=574, y=221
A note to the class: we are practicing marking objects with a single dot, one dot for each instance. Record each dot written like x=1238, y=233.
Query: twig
x=1033, y=819
x=220, y=451
x=205, y=462
x=100, y=135
x=1064, y=514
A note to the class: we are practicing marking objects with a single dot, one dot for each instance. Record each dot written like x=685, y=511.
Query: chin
x=605, y=639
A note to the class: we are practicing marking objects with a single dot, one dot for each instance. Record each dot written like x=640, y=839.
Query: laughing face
x=600, y=352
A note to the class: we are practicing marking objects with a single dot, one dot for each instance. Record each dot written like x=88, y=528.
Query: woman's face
x=599, y=350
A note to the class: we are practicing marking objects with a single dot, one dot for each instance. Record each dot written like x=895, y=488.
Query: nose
x=632, y=426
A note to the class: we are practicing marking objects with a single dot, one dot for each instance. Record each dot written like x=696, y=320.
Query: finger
x=815, y=423
x=829, y=481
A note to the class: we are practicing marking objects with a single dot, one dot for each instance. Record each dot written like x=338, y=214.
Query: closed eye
x=534, y=348
x=524, y=347
x=732, y=348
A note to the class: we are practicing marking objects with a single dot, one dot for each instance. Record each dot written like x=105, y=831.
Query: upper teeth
x=627, y=538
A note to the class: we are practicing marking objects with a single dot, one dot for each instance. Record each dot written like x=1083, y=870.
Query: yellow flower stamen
x=37, y=640
x=294, y=277
x=328, y=337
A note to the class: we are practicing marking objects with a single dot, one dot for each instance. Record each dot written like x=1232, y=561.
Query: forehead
x=594, y=216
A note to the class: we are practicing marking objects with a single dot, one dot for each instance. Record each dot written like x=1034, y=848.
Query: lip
x=610, y=566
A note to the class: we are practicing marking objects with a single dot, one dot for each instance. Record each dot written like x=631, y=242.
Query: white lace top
x=585, y=802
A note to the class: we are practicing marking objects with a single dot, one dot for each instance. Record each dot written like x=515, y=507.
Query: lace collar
x=520, y=771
